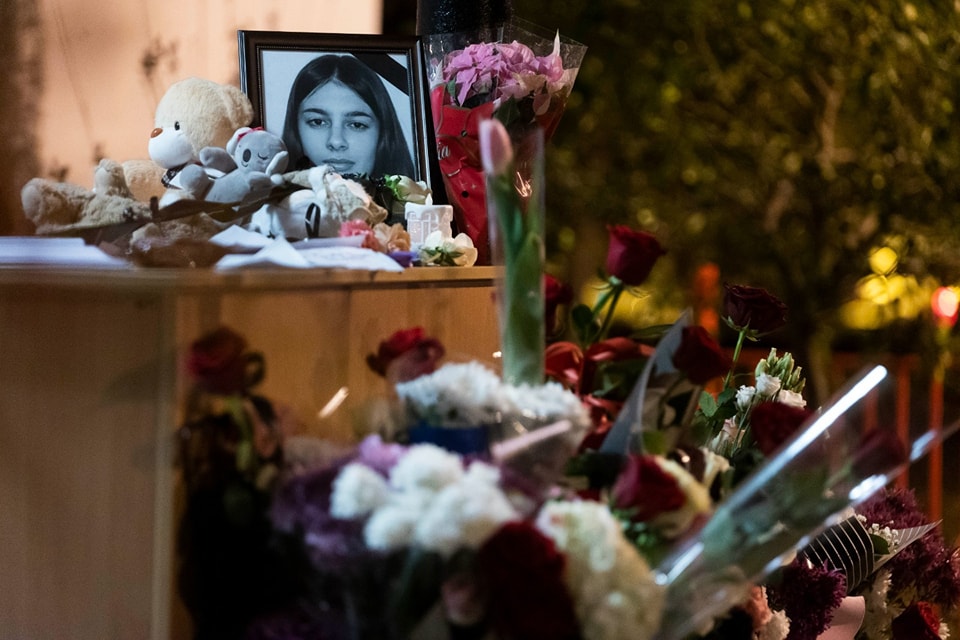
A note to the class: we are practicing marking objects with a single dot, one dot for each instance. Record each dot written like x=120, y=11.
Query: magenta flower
x=503, y=70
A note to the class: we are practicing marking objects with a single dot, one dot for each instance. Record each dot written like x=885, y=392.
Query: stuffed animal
x=255, y=159
x=55, y=207
x=326, y=201
x=193, y=113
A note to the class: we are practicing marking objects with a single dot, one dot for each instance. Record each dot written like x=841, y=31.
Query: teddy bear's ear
x=238, y=107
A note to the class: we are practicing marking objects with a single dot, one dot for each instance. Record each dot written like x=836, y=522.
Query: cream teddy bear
x=193, y=113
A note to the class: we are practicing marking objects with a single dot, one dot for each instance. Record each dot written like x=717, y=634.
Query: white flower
x=878, y=616
x=791, y=398
x=767, y=385
x=745, y=396
x=455, y=395
x=465, y=514
x=615, y=594
x=357, y=491
x=438, y=249
x=392, y=526
x=426, y=466
x=470, y=395
x=776, y=629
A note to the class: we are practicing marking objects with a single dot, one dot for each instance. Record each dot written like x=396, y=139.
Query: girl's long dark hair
x=393, y=155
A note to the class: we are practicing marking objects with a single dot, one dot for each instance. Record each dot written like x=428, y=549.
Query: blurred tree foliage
x=779, y=139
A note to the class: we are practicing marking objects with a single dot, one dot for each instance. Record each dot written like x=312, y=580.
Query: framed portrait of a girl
x=354, y=102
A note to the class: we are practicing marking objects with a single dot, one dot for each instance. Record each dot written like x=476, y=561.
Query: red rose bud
x=699, y=356
x=646, y=489
x=218, y=364
x=419, y=354
x=524, y=575
x=753, y=308
x=917, y=622
x=555, y=293
x=773, y=423
x=631, y=254
x=879, y=452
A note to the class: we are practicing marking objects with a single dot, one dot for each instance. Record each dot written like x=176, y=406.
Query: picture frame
x=272, y=61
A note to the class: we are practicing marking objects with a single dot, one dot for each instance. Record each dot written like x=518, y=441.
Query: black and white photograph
x=353, y=102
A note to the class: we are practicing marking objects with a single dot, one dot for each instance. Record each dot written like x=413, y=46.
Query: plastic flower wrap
x=509, y=72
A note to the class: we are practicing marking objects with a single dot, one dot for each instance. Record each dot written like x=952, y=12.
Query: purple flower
x=302, y=504
x=927, y=565
x=499, y=69
x=808, y=595
x=379, y=455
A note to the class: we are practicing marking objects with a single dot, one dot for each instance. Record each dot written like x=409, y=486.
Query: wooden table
x=91, y=389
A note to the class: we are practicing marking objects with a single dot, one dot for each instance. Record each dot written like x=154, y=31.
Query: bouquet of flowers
x=411, y=540
x=510, y=73
x=747, y=516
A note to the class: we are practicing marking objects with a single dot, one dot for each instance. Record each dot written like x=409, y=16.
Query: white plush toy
x=317, y=211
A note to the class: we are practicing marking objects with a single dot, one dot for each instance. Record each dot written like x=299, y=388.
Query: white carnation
x=392, y=526
x=469, y=394
x=465, y=514
x=357, y=491
x=426, y=466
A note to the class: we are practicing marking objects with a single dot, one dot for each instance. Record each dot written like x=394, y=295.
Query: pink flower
x=496, y=152
x=502, y=70
x=360, y=228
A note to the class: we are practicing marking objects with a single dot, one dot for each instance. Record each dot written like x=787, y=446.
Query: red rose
x=753, y=308
x=773, y=423
x=644, y=487
x=631, y=254
x=879, y=451
x=523, y=572
x=555, y=293
x=219, y=364
x=700, y=357
x=917, y=622
x=408, y=352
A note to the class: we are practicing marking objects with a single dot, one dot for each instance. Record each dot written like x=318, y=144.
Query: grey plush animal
x=251, y=164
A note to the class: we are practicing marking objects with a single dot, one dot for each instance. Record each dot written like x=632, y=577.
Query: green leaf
x=581, y=317
x=708, y=404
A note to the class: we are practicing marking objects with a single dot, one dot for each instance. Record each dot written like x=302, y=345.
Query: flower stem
x=608, y=299
x=736, y=356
